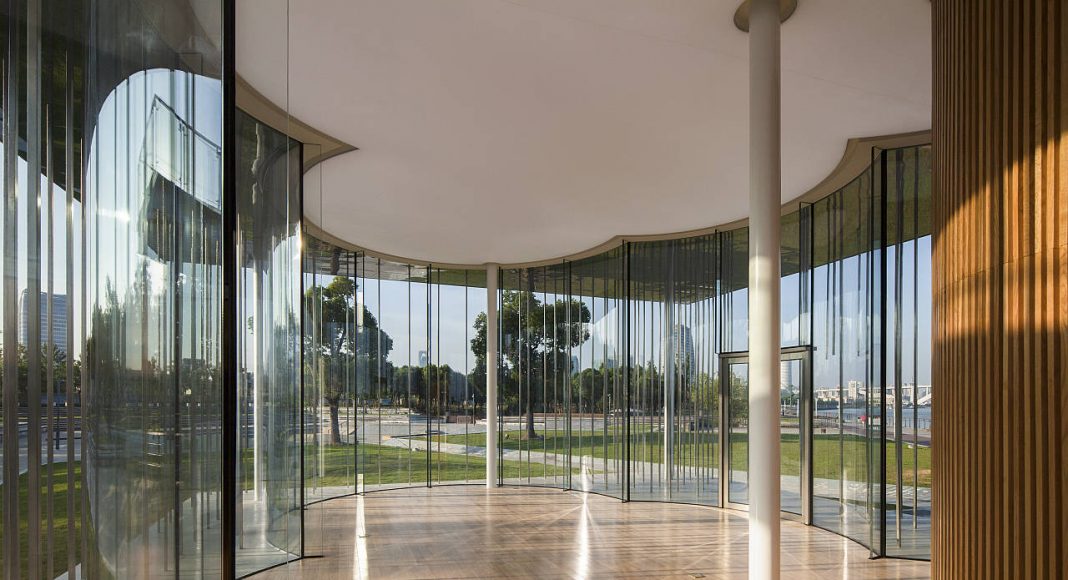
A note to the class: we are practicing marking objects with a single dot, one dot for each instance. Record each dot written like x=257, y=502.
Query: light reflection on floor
x=472, y=532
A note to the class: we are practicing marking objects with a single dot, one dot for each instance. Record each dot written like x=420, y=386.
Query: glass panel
x=457, y=447
x=677, y=324
x=553, y=395
x=845, y=365
x=738, y=433
x=41, y=352
x=908, y=393
x=329, y=366
x=599, y=456
x=153, y=403
x=790, y=426
x=270, y=424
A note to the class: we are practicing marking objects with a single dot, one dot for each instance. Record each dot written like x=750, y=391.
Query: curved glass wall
x=117, y=197
x=668, y=321
x=562, y=387
x=153, y=398
x=622, y=373
x=394, y=373
x=269, y=426
x=330, y=352
x=154, y=209
x=626, y=373
x=42, y=354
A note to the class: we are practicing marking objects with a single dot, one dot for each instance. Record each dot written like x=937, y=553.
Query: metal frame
x=726, y=360
x=230, y=324
x=803, y=354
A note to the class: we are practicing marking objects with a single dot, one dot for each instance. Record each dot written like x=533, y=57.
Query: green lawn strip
x=60, y=520
x=698, y=449
x=386, y=464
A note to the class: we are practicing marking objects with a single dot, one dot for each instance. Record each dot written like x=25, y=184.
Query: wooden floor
x=470, y=532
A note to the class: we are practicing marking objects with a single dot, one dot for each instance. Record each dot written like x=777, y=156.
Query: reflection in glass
x=372, y=372
x=791, y=422
x=738, y=433
x=154, y=296
x=686, y=305
x=269, y=349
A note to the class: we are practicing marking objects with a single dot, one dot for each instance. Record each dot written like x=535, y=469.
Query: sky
x=389, y=302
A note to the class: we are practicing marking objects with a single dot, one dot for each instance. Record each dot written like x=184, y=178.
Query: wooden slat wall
x=1000, y=289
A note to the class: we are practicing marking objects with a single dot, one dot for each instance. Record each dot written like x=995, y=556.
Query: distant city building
x=911, y=394
x=853, y=392
x=59, y=319
x=685, y=357
x=856, y=391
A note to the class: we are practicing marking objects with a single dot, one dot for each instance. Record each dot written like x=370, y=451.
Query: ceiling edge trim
x=318, y=146
x=855, y=160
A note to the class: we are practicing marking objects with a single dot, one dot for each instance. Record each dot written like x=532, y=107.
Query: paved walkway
x=854, y=491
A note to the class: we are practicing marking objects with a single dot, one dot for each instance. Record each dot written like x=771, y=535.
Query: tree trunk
x=335, y=423
x=531, y=354
x=531, y=434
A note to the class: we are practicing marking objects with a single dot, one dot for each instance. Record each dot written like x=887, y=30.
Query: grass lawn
x=701, y=449
x=60, y=521
x=384, y=464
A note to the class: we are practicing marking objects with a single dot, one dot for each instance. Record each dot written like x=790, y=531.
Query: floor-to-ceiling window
x=622, y=373
x=270, y=427
x=626, y=372
x=908, y=352
x=330, y=351
x=114, y=224
x=42, y=354
x=153, y=277
x=855, y=391
x=394, y=375
x=681, y=320
x=845, y=330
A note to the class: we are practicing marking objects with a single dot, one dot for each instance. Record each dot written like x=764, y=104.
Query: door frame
x=801, y=353
x=726, y=360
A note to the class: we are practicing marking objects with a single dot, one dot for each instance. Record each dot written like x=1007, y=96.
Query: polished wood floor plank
x=471, y=532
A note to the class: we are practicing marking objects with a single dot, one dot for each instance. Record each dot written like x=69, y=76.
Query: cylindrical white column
x=764, y=202
x=491, y=375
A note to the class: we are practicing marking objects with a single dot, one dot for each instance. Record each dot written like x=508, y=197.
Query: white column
x=491, y=375
x=764, y=202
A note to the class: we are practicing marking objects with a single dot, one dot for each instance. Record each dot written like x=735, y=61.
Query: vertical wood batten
x=1000, y=288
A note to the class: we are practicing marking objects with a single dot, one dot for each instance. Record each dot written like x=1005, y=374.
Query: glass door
x=734, y=378
x=795, y=433
x=790, y=425
x=794, y=427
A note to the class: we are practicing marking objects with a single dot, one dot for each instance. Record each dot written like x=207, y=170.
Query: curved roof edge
x=318, y=146
x=855, y=160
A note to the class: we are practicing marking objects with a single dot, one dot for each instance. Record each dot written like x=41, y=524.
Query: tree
x=341, y=343
x=529, y=338
x=59, y=372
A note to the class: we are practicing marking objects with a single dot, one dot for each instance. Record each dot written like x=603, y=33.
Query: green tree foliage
x=529, y=338
x=59, y=371
x=340, y=344
x=426, y=389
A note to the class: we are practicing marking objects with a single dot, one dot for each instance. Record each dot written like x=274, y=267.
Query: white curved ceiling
x=520, y=130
